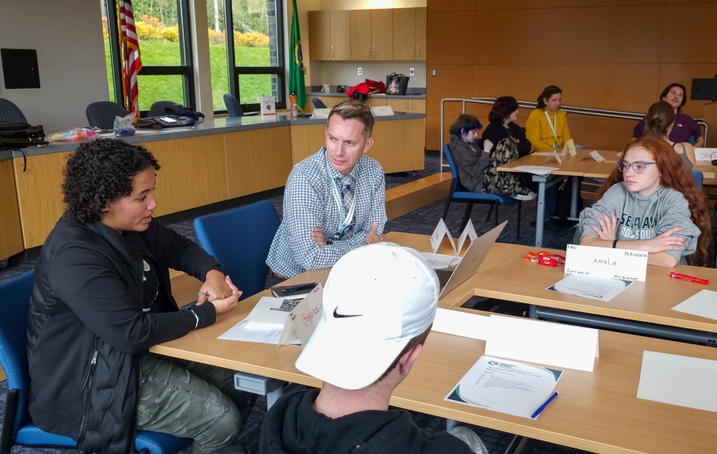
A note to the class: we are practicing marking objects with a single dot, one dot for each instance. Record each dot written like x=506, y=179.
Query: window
x=251, y=63
x=165, y=49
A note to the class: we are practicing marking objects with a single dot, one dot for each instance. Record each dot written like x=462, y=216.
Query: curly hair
x=674, y=175
x=98, y=173
x=502, y=108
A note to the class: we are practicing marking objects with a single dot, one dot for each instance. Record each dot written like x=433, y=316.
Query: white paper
x=321, y=113
x=464, y=324
x=264, y=323
x=596, y=156
x=468, y=232
x=437, y=236
x=441, y=261
x=506, y=386
x=268, y=106
x=536, y=170
x=596, y=288
x=570, y=148
x=705, y=154
x=535, y=341
x=678, y=380
x=302, y=320
x=595, y=261
x=382, y=111
x=702, y=304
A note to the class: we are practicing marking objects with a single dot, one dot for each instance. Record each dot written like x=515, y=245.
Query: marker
x=542, y=407
x=685, y=277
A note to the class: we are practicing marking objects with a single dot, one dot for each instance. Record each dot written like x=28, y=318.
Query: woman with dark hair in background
x=685, y=126
x=547, y=125
x=102, y=297
x=506, y=142
x=660, y=120
x=651, y=203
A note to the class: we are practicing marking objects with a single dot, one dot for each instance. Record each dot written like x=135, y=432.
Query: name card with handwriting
x=705, y=154
x=302, y=320
x=622, y=264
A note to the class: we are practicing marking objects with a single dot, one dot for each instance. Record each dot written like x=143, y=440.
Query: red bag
x=361, y=90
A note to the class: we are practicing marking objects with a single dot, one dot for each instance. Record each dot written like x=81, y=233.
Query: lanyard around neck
x=553, y=127
x=347, y=215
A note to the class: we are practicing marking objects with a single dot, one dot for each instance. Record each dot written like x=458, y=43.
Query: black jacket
x=495, y=132
x=292, y=426
x=86, y=327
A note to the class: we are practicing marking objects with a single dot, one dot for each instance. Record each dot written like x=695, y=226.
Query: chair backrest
x=456, y=185
x=102, y=114
x=10, y=112
x=157, y=109
x=239, y=239
x=319, y=104
x=14, y=307
x=699, y=179
x=233, y=106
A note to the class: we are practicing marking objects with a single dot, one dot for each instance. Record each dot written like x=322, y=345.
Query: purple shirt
x=684, y=127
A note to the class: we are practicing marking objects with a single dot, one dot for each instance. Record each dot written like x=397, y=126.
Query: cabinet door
x=397, y=104
x=378, y=101
x=361, y=34
x=382, y=34
x=340, y=35
x=404, y=34
x=319, y=35
x=420, y=34
x=417, y=105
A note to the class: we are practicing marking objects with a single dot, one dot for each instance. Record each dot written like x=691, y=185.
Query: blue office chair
x=239, y=239
x=10, y=112
x=233, y=106
x=17, y=428
x=318, y=104
x=458, y=193
x=699, y=179
x=102, y=114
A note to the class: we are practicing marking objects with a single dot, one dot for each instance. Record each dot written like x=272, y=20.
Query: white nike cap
x=376, y=299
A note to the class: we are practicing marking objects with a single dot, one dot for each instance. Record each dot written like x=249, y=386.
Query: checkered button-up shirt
x=309, y=203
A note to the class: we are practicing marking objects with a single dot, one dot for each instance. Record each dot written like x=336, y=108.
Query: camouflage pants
x=190, y=400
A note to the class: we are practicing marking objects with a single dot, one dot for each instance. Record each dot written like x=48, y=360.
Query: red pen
x=685, y=277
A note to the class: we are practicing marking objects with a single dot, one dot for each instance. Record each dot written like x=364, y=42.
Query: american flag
x=129, y=48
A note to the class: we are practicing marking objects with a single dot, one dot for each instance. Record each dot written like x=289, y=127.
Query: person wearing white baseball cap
x=379, y=303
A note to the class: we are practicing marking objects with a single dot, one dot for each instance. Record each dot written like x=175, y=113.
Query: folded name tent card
x=321, y=113
x=382, y=111
x=507, y=387
x=554, y=344
x=464, y=324
x=569, y=148
x=441, y=231
x=303, y=318
x=268, y=106
x=701, y=304
x=705, y=154
x=623, y=264
x=678, y=380
x=555, y=155
x=596, y=156
x=265, y=323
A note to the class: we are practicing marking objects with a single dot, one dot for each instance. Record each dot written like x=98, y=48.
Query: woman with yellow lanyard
x=547, y=125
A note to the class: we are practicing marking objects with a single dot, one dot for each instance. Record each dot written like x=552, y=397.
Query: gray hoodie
x=643, y=218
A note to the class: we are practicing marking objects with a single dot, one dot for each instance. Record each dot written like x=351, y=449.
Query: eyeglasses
x=637, y=166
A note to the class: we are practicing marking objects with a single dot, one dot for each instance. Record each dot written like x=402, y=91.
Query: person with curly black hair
x=102, y=296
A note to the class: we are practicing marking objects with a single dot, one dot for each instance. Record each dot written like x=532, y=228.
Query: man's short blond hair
x=355, y=110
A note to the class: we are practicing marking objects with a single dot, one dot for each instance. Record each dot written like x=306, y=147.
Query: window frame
x=186, y=69
x=235, y=71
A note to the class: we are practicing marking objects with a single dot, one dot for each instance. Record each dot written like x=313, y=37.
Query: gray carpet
x=421, y=221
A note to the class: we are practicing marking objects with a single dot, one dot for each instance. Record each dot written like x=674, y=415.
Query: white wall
x=71, y=58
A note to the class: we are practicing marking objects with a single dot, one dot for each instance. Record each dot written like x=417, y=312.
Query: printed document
x=595, y=288
x=506, y=386
x=264, y=323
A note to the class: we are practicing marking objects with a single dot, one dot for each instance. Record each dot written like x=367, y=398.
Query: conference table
x=595, y=411
x=580, y=165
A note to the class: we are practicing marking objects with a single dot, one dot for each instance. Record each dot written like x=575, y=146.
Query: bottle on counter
x=292, y=105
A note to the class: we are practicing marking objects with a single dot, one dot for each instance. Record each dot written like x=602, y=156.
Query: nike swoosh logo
x=337, y=315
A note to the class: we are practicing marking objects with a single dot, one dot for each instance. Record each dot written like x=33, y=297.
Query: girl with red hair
x=650, y=203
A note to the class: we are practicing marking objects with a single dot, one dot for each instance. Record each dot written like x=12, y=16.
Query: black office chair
x=102, y=114
x=233, y=106
x=10, y=112
x=318, y=104
x=159, y=108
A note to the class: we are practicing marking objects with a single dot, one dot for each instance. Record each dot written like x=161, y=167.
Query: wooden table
x=595, y=411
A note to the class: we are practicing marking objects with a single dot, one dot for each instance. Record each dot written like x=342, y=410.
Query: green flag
x=296, y=65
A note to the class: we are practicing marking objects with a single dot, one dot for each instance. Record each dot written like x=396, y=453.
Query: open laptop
x=474, y=256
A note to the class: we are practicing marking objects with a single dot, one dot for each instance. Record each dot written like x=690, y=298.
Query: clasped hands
x=317, y=235
x=220, y=290
x=667, y=241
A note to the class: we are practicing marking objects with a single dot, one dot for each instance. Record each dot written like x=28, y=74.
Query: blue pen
x=542, y=407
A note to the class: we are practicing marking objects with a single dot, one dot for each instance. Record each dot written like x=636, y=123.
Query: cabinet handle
x=374, y=53
x=327, y=53
x=368, y=53
x=333, y=52
x=418, y=52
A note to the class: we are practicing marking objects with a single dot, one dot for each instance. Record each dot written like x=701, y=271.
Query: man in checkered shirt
x=334, y=200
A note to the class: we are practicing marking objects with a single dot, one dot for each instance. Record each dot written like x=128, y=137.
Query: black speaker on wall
x=19, y=67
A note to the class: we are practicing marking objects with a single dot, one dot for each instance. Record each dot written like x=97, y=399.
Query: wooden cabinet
x=421, y=34
x=372, y=34
x=407, y=105
x=330, y=37
x=11, y=236
x=409, y=34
